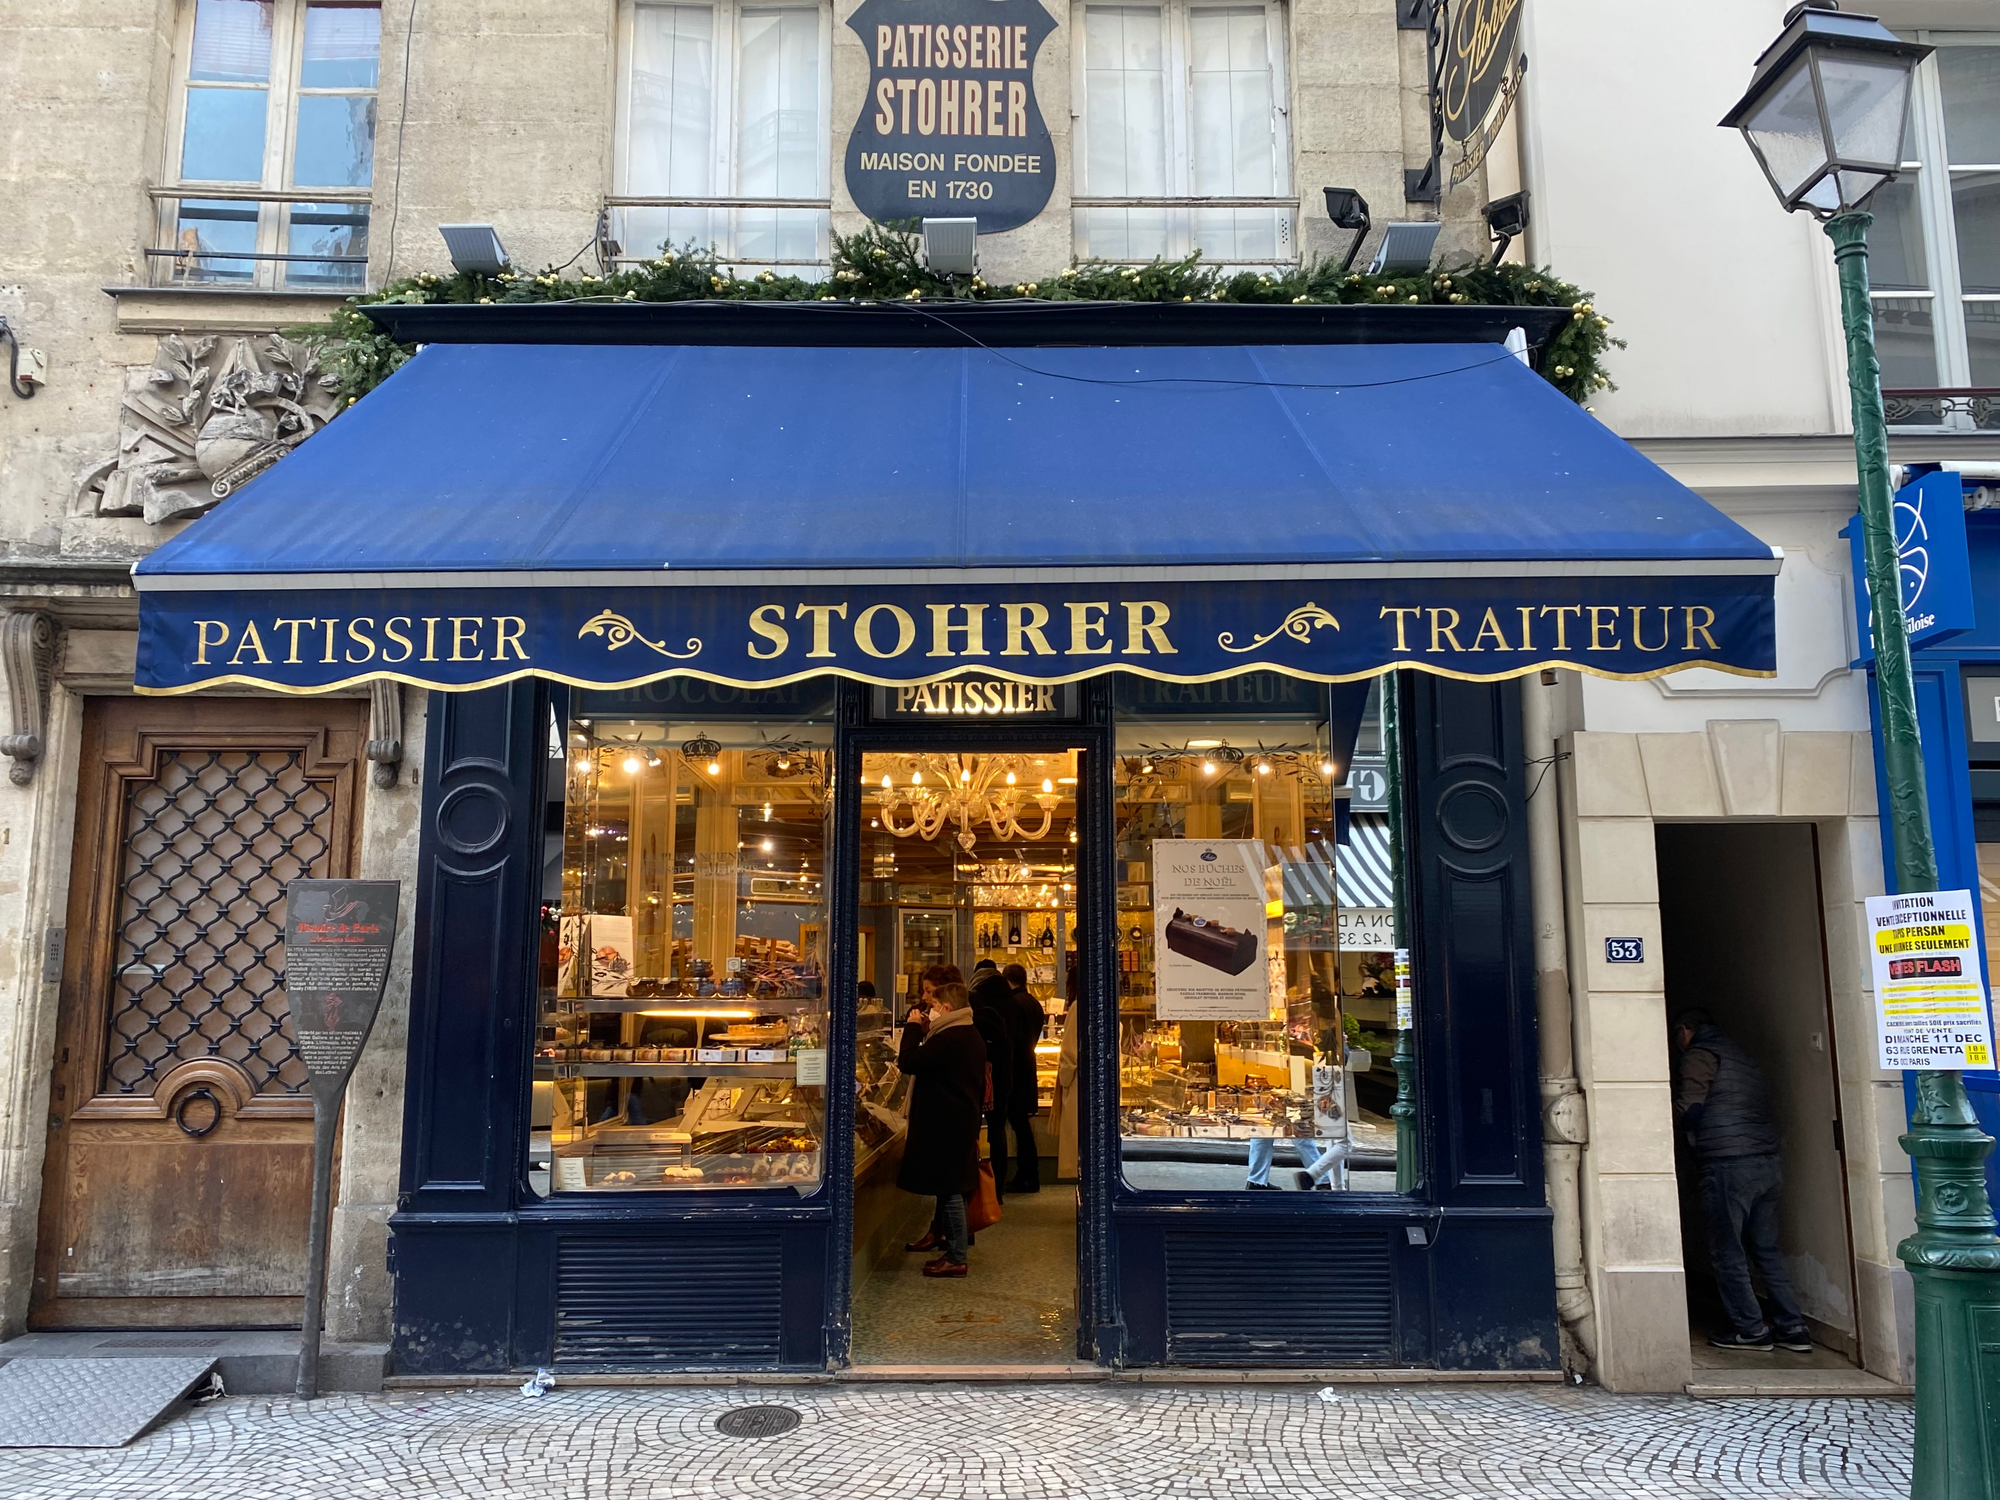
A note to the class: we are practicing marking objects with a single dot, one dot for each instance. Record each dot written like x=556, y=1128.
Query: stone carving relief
x=210, y=413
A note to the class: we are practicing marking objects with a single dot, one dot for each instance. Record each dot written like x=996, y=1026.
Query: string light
x=631, y=765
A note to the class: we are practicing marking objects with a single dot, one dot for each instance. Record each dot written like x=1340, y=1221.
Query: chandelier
x=935, y=791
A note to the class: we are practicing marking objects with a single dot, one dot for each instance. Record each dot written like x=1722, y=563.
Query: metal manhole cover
x=756, y=1421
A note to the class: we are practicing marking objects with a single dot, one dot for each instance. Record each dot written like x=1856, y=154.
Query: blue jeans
x=951, y=1208
x=1740, y=1195
x=1262, y=1149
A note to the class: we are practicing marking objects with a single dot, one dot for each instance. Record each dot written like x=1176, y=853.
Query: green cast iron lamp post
x=1825, y=116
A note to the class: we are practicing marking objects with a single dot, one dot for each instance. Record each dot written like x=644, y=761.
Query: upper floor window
x=1934, y=253
x=724, y=132
x=274, y=115
x=1181, y=140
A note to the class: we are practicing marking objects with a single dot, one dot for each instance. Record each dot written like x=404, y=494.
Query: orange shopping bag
x=982, y=1208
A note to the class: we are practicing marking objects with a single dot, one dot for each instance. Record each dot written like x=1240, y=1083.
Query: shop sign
x=1933, y=566
x=1930, y=993
x=978, y=697
x=950, y=127
x=1211, y=905
x=1187, y=633
x=1479, y=74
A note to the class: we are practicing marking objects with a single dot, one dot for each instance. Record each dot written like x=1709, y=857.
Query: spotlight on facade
x=950, y=246
x=1405, y=249
x=1348, y=210
x=1506, y=220
x=474, y=248
x=1828, y=108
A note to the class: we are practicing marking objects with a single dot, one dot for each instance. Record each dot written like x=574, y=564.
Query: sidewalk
x=1021, y=1442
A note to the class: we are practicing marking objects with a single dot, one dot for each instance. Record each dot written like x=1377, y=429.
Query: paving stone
x=1022, y=1442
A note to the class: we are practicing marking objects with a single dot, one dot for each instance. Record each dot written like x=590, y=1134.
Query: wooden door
x=178, y=1176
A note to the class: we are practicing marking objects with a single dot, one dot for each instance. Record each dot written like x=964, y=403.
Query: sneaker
x=1260, y=1187
x=1761, y=1340
x=1798, y=1340
x=1305, y=1181
x=944, y=1265
x=929, y=1242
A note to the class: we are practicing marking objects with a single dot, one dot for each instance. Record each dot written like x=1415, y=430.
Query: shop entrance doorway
x=969, y=861
x=1744, y=942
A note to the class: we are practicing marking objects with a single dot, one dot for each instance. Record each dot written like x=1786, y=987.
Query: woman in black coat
x=946, y=1064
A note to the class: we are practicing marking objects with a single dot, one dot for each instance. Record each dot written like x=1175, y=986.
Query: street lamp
x=1825, y=115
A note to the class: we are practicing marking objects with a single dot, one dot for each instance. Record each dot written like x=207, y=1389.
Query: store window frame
x=628, y=242
x=1952, y=402
x=1348, y=1201
x=274, y=201
x=1180, y=202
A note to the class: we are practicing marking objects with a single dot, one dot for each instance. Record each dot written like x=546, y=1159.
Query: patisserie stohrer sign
x=950, y=127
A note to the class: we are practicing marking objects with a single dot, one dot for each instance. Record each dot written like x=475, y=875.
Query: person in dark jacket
x=1022, y=1100
x=1722, y=1109
x=944, y=1057
x=993, y=1014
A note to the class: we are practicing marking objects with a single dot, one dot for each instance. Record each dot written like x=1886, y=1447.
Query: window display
x=683, y=992
x=1256, y=1021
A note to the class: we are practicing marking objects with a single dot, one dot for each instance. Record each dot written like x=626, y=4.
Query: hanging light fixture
x=968, y=790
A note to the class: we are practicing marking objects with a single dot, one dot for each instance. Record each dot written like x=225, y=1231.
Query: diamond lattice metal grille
x=198, y=958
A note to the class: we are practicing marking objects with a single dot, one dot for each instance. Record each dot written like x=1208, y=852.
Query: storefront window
x=684, y=944
x=1257, y=976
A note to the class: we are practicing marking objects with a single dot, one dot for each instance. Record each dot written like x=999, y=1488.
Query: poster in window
x=1211, y=930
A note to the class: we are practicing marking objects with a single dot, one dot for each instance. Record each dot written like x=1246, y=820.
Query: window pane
x=232, y=42
x=204, y=231
x=1233, y=1071
x=1896, y=242
x=1982, y=338
x=224, y=140
x=341, y=47
x=778, y=151
x=1232, y=145
x=336, y=141
x=1125, y=121
x=1970, y=79
x=331, y=229
x=1906, y=342
x=1975, y=212
x=1125, y=233
x=684, y=957
x=1240, y=235
x=670, y=151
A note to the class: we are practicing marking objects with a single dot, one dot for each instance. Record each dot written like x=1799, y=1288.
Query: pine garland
x=884, y=263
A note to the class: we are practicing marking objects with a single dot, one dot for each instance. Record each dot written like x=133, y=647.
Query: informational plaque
x=1210, y=930
x=1930, y=993
x=339, y=935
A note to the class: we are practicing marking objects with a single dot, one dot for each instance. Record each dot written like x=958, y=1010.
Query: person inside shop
x=993, y=1014
x=1722, y=1109
x=1029, y=1022
x=944, y=1056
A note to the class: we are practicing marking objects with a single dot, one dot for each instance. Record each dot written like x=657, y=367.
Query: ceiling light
x=1204, y=744
x=632, y=764
x=768, y=846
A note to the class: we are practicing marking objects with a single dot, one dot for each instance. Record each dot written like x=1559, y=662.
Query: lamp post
x=1825, y=116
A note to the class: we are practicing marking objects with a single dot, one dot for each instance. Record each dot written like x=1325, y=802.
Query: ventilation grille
x=700, y=1299
x=1286, y=1299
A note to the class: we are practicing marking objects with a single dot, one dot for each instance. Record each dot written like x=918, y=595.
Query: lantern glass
x=1784, y=129
x=1867, y=104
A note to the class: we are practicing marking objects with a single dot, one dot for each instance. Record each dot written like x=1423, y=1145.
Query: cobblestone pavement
x=1106, y=1442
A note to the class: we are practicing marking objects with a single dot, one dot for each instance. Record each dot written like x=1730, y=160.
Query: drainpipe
x=1565, y=1123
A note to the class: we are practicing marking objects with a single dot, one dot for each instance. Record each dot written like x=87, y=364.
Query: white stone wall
x=1615, y=787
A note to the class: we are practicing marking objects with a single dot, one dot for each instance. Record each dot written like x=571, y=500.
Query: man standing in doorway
x=1722, y=1109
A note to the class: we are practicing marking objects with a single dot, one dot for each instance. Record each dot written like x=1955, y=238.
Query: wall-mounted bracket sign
x=338, y=938
x=950, y=126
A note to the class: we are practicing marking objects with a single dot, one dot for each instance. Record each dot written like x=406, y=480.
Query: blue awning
x=610, y=514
